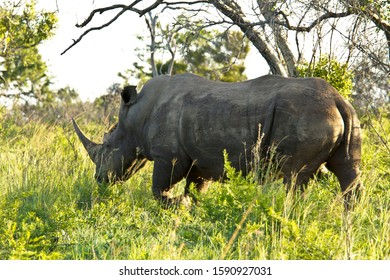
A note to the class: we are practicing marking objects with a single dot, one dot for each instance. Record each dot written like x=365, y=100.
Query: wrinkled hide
x=184, y=123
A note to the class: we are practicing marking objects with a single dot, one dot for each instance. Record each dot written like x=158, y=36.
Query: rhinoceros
x=184, y=123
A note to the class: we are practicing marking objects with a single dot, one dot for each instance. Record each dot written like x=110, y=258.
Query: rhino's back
x=197, y=110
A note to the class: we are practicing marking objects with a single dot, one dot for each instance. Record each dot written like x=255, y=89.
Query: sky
x=92, y=65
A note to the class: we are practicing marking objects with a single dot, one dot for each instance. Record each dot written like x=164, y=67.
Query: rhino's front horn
x=91, y=147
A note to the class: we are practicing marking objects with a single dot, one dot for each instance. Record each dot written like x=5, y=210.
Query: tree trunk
x=267, y=8
x=151, y=22
x=233, y=11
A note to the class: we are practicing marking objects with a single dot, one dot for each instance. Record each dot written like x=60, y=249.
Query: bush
x=332, y=71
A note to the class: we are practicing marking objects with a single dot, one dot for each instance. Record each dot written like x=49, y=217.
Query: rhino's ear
x=129, y=95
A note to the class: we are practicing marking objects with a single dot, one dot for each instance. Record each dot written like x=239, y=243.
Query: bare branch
x=151, y=22
x=100, y=11
x=148, y=9
x=286, y=23
x=381, y=24
x=124, y=8
x=171, y=43
x=187, y=3
x=9, y=95
x=75, y=42
x=325, y=16
x=368, y=10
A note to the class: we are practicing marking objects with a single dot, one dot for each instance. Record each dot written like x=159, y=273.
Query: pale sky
x=92, y=65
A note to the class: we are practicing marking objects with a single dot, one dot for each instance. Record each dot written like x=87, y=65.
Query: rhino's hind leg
x=296, y=181
x=347, y=172
x=297, y=174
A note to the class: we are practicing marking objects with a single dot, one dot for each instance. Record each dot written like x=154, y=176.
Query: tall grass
x=51, y=208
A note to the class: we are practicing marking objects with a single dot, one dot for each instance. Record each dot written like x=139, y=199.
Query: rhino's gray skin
x=183, y=123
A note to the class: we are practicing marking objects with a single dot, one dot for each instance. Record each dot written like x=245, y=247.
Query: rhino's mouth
x=112, y=178
x=102, y=180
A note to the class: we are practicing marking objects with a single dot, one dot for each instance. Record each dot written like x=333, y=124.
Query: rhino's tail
x=352, y=134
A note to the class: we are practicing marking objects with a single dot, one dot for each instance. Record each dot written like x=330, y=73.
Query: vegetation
x=331, y=70
x=211, y=54
x=22, y=29
x=51, y=208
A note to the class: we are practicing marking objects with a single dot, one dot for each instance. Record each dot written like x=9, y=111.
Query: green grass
x=51, y=208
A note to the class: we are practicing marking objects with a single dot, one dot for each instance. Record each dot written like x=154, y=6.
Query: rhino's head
x=118, y=157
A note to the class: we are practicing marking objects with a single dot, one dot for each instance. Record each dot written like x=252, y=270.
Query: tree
x=22, y=29
x=215, y=55
x=209, y=53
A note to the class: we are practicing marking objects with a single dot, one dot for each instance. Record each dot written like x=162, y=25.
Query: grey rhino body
x=184, y=123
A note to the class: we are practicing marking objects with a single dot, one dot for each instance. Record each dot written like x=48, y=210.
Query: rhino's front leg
x=165, y=175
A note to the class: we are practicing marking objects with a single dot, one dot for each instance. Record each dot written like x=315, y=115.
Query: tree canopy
x=22, y=29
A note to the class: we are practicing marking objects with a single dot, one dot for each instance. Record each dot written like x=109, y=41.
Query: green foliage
x=214, y=55
x=22, y=29
x=334, y=72
x=211, y=54
x=51, y=208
